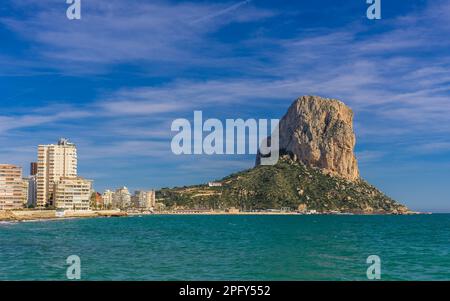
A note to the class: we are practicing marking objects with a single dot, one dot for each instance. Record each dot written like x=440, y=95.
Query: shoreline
x=15, y=216
x=45, y=215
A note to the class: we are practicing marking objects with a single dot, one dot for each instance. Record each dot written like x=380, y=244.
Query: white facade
x=151, y=199
x=107, y=197
x=54, y=162
x=144, y=199
x=72, y=193
x=121, y=198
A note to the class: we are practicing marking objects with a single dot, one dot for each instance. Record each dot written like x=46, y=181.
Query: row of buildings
x=54, y=183
x=122, y=199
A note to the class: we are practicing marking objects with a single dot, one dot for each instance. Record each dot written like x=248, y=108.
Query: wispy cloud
x=131, y=32
x=8, y=123
x=432, y=147
x=221, y=12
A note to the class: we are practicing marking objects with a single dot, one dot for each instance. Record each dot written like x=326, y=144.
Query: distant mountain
x=317, y=170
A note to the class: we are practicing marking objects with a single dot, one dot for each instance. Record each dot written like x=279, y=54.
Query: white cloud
x=117, y=32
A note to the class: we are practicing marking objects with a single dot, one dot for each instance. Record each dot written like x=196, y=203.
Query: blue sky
x=113, y=82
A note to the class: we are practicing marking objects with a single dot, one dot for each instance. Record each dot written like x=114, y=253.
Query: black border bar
x=223, y=290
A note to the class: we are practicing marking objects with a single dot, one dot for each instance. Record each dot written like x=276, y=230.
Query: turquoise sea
x=175, y=247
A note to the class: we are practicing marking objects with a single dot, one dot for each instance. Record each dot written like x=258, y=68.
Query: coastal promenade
x=28, y=215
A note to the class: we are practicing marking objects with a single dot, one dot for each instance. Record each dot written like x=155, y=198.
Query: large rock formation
x=317, y=170
x=319, y=133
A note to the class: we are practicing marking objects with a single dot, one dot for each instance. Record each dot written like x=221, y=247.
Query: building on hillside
x=232, y=210
x=159, y=206
x=302, y=208
x=11, y=187
x=54, y=162
x=214, y=184
x=72, y=193
x=121, y=198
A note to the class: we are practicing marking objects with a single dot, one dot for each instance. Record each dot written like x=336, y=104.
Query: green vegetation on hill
x=287, y=184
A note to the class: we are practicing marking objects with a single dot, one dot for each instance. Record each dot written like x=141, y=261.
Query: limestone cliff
x=319, y=133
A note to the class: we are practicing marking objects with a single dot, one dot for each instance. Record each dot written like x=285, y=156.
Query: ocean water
x=175, y=247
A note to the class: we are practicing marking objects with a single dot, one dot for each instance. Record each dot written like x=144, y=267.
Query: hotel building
x=54, y=162
x=11, y=187
x=72, y=193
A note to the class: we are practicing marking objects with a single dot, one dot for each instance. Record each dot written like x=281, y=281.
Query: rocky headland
x=317, y=170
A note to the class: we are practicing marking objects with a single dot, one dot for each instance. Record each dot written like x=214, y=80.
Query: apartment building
x=55, y=161
x=72, y=193
x=11, y=187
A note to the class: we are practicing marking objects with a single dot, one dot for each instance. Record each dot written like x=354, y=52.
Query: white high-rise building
x=54, y=162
